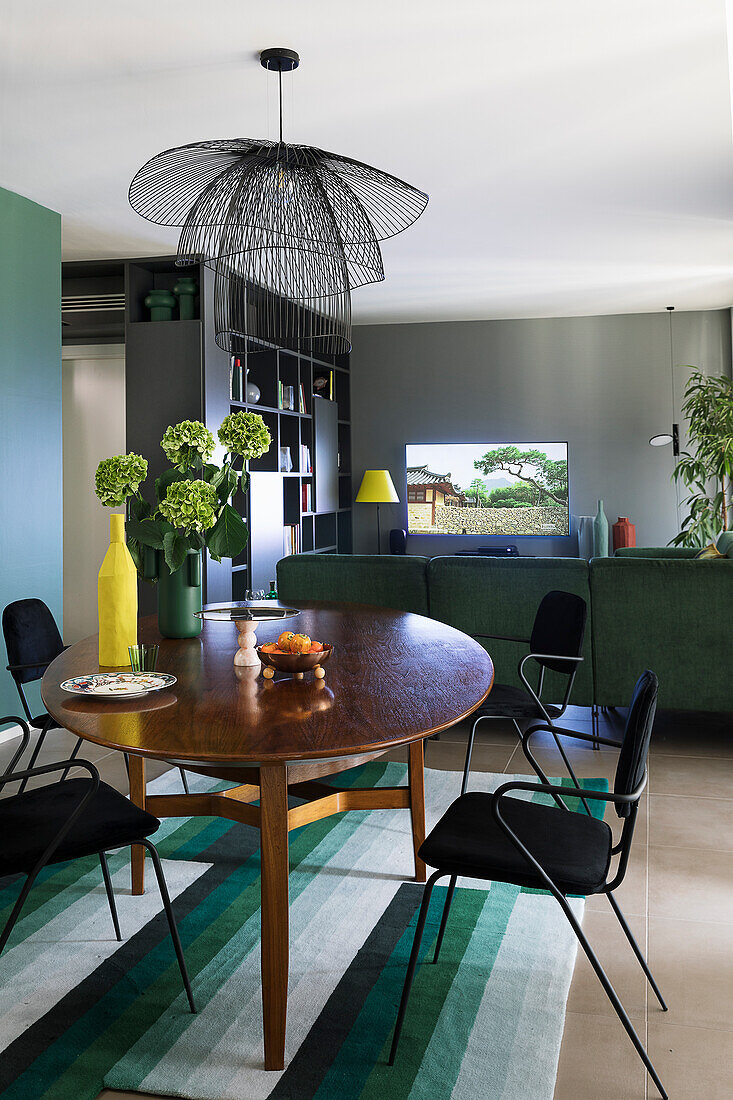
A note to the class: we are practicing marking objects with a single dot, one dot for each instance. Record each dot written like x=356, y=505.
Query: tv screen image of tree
x=505, y=489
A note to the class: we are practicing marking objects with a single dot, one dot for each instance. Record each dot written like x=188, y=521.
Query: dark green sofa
x=660, y=611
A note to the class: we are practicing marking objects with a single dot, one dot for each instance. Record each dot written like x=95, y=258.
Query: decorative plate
x=118, y=685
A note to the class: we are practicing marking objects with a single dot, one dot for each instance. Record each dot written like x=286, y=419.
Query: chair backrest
x=559, y=627
x=637, y=735
x=31, y=636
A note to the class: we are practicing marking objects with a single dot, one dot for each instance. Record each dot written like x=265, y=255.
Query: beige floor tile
x=598, y=1062
x=692, y=962
x=488, y=732
x=691, y=822
x=617, y=959
x=690, y=884
x=451, y=756
x=693, y=776
x=693, y=1062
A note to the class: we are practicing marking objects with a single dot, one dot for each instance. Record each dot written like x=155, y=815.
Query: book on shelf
x=301, y=397
x=291, y=539
x=286, y=397
x=305, y=459
x=306, y=494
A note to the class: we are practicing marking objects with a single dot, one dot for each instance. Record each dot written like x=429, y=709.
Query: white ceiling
x=577, y=153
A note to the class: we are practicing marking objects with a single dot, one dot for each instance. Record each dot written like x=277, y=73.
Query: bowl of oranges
x=294, y=653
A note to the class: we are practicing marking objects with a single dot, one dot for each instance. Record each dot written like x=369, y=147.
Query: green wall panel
x=30, y=413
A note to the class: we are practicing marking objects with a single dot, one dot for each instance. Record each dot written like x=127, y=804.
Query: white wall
x=93, y=395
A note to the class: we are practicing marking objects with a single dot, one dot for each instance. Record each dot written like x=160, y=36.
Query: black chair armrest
x=46, y=769
x=28, y=664
x=503, y=637
x=25, y=738
x=551, y=657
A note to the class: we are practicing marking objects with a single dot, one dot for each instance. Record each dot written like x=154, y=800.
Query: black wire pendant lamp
x=290, y=230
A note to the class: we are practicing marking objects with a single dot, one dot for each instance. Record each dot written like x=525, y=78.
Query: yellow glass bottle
x=117, y=598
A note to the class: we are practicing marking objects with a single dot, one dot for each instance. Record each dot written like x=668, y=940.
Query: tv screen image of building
x=488, y=489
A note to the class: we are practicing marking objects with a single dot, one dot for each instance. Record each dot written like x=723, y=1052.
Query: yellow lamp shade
x=377, y=488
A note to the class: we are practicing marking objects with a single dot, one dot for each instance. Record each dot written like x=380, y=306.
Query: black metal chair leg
x=158, y=867
x=413, y=962
x=612, y=996
x=571, y=773
x=595, y=726
x=110, y=893
x=444, y=918
x=539, y=772
x=184, y=780
x=20, y=902
x=469, y=751
x=34, y=755
x=77, y=746
x=637, y=950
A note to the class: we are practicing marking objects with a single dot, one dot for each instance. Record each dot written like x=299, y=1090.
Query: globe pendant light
x=290, y=230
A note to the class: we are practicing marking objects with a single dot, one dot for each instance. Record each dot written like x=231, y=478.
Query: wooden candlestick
x=247, y=653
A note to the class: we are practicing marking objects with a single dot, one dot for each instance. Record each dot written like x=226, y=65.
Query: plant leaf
x=146, y=531
x=175, y=548
x=228, y=537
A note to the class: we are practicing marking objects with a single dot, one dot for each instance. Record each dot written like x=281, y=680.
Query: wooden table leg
x=137, y=795
x=416, y=776
x=275, y=911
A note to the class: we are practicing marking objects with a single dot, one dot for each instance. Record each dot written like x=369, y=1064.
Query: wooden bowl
x=295, y=663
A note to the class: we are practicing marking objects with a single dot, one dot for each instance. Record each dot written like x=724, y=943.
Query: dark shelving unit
x=176, y=371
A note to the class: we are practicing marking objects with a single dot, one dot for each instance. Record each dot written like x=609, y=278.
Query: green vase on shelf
x=160, y=303
x=185, y=291
x=179, y=597
x=600, y=533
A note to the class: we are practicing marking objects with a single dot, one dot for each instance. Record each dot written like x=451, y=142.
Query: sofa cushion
x=501, y=596
x=656, y=552
x=672, y=616
x=381, y=580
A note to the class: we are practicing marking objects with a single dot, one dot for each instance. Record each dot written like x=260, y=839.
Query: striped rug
x=79, y=1010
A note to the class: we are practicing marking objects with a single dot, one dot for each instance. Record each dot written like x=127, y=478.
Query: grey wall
x=602, y=383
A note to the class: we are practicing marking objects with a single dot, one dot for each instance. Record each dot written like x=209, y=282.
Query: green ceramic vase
x=179, y=597
x=600, y=533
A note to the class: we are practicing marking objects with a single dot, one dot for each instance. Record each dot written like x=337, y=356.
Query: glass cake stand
x=246, y=614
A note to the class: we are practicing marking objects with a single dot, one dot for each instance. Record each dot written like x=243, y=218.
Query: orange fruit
x=316, y=647
x=269, y=648
x=284, y=640
x=300, y=643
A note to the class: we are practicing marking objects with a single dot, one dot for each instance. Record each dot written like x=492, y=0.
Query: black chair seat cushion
x=574, y=849
x=506, y=701
x=31, y=820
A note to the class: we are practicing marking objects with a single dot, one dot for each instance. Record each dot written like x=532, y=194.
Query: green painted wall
x=30, y=414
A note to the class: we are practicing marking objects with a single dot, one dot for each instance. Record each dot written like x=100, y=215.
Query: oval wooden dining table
x=393, y=679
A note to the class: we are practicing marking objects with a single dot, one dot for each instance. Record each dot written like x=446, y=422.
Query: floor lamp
x=377, y=488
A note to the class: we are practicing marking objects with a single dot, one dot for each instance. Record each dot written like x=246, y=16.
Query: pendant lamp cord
x=280, y=90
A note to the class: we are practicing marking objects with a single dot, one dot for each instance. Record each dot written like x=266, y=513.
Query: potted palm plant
x=706, y=469
x=193, y=511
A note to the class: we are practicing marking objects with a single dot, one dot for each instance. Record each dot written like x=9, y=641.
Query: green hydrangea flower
x=189, y=505
x=245, y=434
x=188, y=444
x=118, y=478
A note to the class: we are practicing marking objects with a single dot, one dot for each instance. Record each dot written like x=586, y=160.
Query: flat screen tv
x=508, y=490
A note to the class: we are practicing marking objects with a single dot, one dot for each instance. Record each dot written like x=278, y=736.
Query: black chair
x=502, y=839
x=68, y=819
x=32, y=640
x=556, y=644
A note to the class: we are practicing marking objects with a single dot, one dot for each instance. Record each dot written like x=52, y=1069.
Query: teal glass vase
x=600, y=533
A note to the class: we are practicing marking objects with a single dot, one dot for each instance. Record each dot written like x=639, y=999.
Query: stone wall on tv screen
x=499, y=521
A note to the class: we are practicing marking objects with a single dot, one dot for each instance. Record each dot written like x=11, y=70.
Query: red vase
x=624, y=533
